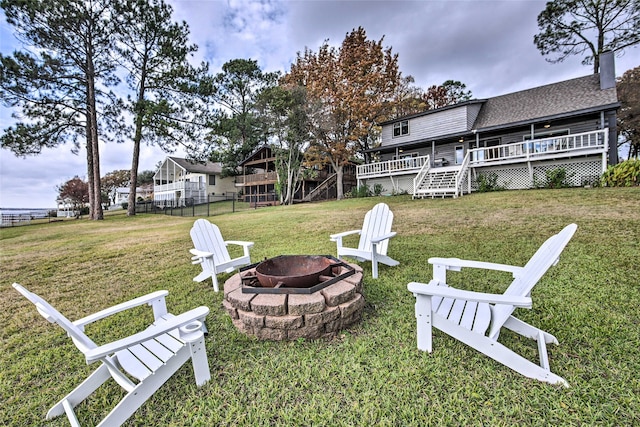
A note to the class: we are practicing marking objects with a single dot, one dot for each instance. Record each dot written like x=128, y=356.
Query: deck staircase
x=441, y=182
x=316, y=193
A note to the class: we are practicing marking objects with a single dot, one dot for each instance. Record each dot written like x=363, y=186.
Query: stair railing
x=417, y=180
x=464, y=168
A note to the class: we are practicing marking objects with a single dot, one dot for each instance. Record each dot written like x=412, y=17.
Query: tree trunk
x=95, y=202
x=89, y=165
x=133, y=182
x=339, y=187
x=137, y=139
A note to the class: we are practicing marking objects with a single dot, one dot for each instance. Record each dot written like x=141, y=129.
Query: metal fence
x=213, y=205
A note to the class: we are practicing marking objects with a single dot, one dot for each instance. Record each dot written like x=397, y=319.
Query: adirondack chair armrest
x=199, y=256
x=171, y=324
x=379, y=239
x=456, y=264
x=434, y=289
x=145, y=299
x=337, y=236
x=239, y=243
x=245, y=245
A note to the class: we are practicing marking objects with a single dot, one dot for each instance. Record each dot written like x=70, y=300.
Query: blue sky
x=488, y=45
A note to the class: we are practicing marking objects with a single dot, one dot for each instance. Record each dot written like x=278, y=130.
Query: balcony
x=257, y=178
x=580, y=144
x=587, y=143
x=179, y=186
x=410, y=165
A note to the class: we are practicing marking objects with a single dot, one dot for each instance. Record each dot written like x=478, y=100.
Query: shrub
x=378, y=189
x=361, y=191
x=555, y=178
x=624, y=174
x=488, y=182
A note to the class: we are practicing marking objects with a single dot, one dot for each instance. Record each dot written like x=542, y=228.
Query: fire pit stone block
x=283, y=322
x=251, y=319
x=230, y=309
x=234, y=282
x=356, y=280
x=338, y=293
x=303, y=304
x=271, y=334
x=240, y=300
x=353, y=306
x=310, y=332
x=329, y=314
x=273, y=305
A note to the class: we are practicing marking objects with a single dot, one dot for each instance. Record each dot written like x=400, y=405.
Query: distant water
x=26, y=211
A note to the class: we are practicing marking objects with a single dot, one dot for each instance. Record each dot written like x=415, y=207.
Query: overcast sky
x=487, y=45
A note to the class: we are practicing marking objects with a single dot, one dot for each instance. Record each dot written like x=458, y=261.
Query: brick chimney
x=607, y=70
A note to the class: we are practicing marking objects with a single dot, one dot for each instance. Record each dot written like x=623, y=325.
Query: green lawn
x=371, y=374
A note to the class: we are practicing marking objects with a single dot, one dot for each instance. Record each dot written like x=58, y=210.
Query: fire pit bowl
x=295, y=271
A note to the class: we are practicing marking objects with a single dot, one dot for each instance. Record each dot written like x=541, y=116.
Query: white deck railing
x=595, y=141
x=392, y=167
x=179, y=185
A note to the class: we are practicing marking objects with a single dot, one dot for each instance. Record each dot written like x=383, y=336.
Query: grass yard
x=373, y=373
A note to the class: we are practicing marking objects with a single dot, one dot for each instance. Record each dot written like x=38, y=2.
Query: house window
x=401, y=128
x=459, y=154
x=212, y=180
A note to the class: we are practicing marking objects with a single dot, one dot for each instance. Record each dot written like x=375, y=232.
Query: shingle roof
x=553, y=100
x=208, y=167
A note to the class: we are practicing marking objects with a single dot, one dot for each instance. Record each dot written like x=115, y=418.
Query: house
x=180, y=182
x=516, y=139
x=120, y=195
x=259, y=179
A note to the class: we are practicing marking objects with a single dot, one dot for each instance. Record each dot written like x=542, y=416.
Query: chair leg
x=498, y=352
x=80, y=393
x=424, y=330
x=526, y=330
x=199, y=360
x=214, y=279
x=374, y=264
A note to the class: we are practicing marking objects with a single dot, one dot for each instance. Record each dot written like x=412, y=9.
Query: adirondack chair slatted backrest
x=377, y=222
x=52, y=315
x=207, y=237
x=545, y=257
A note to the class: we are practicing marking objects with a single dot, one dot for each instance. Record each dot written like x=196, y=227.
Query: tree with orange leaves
x=349, y=91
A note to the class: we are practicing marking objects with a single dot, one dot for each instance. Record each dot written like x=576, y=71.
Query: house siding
x=430, y=126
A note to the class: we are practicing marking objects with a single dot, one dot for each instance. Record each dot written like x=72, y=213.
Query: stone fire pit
x=291, y=316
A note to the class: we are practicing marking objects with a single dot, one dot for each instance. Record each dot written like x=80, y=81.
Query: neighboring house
x=259, y=179
x=180, y=182
x=515, y=139
x=120, y=195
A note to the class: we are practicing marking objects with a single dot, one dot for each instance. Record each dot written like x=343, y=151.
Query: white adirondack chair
x=151, y=356
x=374, y=239
x=211, y=252
x=466, y=315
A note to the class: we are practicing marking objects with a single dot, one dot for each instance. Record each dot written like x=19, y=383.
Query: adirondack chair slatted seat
x=374, y=239
x=467, y=315
x=210, y=251
x=151, y=356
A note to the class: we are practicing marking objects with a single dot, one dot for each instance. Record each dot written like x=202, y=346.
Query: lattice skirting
x=517, y=177
x=392, y=185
